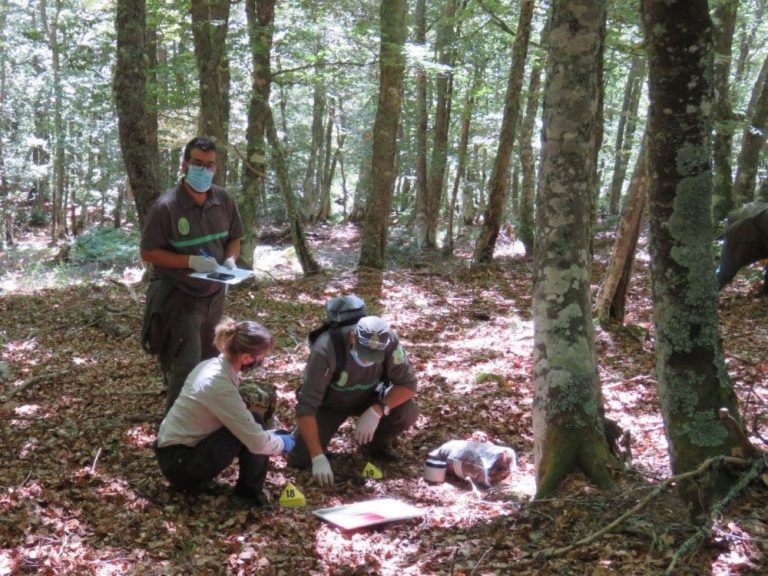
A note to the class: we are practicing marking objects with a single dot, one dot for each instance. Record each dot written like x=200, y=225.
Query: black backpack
x=340, y=311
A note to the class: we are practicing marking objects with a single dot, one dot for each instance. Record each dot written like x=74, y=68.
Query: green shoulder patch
x=398, y=357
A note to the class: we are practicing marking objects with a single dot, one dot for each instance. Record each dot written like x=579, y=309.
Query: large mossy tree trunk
x=498, y=185
x=210, y=24
x=133, y=119
x=567, y=406
x=692, y=379
x=392, y=68
x=260, y=15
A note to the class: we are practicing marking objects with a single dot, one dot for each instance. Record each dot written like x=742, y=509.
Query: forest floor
x=80, y=402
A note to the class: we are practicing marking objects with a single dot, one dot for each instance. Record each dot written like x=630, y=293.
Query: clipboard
x=224, y=275
x=369, y=513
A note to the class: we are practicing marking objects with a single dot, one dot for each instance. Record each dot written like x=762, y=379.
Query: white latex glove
x=203, y=263
x=321, y=471
x=230, y=263
x=366, y=426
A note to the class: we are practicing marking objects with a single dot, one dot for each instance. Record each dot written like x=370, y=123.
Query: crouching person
x=209, y=424
x=376, y=384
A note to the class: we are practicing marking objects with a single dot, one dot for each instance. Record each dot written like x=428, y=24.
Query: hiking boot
x=382, y=451
x=243, y=501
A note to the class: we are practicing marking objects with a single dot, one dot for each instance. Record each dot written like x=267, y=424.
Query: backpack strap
x=340, y=349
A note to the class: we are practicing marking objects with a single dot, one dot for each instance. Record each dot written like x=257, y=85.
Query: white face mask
x=360, y=362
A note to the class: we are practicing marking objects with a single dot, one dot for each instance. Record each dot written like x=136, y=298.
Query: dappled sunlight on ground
x=82, y=493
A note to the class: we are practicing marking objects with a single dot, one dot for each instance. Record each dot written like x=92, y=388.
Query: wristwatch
x=385, y=410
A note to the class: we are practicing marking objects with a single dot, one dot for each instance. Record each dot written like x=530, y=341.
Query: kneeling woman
x=209, y=424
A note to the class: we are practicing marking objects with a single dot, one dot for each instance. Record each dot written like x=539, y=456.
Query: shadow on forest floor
x=80, y=402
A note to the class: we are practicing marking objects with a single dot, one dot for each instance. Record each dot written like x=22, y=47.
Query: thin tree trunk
x=748, y=40
x=752, y=142
x=51, y=29
x=328, y=165
x=392, y=68
x=310, y=187
x=722, y=189
x=466, y=118
x=499, y=181
x=5, y=220
x=422, y=124
x=567, y=411
x=141, y=160
x=210, y=24
x=443, y=97
x=611, y=297
x=625, y=130
x=691, y=373
x=525, y=231
x=308, y=264
x=261, y=17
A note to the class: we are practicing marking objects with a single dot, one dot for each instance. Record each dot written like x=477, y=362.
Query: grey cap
x=372, y=338
x=342, y=308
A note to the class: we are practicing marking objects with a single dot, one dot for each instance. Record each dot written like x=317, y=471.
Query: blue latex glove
x=288, y=440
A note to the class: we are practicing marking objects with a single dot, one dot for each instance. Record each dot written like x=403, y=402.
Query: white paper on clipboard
x=238, y=275
x=369, y=513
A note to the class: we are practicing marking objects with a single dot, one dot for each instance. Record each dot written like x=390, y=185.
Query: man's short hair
x=199, y=142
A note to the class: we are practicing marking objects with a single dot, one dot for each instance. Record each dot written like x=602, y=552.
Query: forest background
x=77, y=116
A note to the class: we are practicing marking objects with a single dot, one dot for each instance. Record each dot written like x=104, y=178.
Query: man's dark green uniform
x=356, y=389
x=185, y=310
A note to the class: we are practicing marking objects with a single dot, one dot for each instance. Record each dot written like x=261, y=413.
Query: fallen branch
x=34, y=380
x=548, y=554
x=757, y=468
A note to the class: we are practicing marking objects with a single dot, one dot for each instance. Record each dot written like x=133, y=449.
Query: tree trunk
x=525, y=231
x=5, y=219
x=141, y=160
x=308, y=264
x=210, y=23
x=692, y=379
x=443, y=95
x=567, y=410
x=50, y=27
x=724, y=122
x=499, y=180
x=611, y=297
x=310, y=188
x=748, y=40
x=466, y=118
x=422, y=123
x=326, y=169
x=392, y=67
x=625, y=131
x=261, y=17
x=363, y=186
x=752, y=143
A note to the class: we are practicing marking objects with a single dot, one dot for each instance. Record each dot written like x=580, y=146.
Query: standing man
x=190, y=228
x=377, y=384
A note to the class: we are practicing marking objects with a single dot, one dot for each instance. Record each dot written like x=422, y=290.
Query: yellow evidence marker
x=371, y=471
x=291, y=497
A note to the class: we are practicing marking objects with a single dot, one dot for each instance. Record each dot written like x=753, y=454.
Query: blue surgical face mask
x=199, y=178
x=360, y=362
